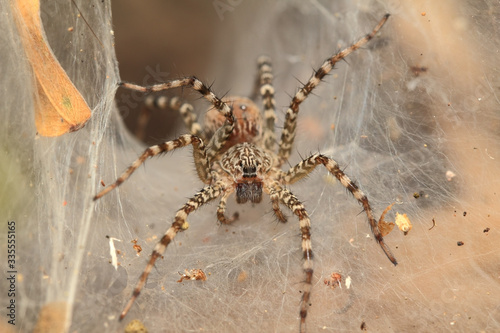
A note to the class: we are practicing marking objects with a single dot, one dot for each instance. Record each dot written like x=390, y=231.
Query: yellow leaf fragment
x=403, y=223
x=59, y=107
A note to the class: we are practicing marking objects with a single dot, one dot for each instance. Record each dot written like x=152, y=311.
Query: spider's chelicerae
x=235, y=152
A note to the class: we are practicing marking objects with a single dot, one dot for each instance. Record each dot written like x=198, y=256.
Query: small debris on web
x=136, y=247
x=450, y=175
x=334, y=281
x=420, y=194
x=363, y=326
x=348, y=282
x=417, y=70
x=486, y=230
x=136, y=326
x=242, y=276
x=460, y=243
x=403, y=223
x=433, y=224
x=113, y=251
x=194, y=274
x=383, y=226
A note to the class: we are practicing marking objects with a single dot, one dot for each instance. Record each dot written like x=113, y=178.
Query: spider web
x=399, y=115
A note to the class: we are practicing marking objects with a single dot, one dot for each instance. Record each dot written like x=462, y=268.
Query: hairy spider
x=235, y=153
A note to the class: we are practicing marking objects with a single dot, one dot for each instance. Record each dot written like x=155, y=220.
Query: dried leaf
x=59, y=107
x=385, y=227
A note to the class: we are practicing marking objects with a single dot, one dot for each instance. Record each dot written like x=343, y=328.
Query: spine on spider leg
x=182, y=141
x=306, y=166
x=288, y=134
x=180, y=224
x=221, y=136
x=334, y=169
x=291, y=201
x=192, y=82
x=219, y=139
x=199, y=86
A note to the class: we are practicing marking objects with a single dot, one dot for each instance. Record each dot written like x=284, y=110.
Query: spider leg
x=267, y=93
x=288, y=134
x=221, y=209
x=192, y=82
x=180, y=224
x=222, y=134
x=288, y=199
x=306, y=166
x=184, y=140
x=275, y=200
x=185, y=109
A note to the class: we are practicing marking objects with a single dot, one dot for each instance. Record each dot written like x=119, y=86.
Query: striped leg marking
x=275, y=201
x=302, y=169
x=185, y=109
x=291, y=201
x=221, y=209
x=192, y=82
x=267, y=93
x=180, y=223
x=184, y=140
x=288, y=134
x=222, y=134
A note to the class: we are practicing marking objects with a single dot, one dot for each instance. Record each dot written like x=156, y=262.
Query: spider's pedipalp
x=182, y=141
x=221, y=209
x=276, y=208
x=307, y=165
x=180, y=223
x=288, y=133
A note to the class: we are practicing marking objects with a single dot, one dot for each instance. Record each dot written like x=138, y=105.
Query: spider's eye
x=249, y=171
x=243, y=107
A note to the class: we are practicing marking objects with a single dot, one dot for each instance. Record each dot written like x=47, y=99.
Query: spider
x=235, y=152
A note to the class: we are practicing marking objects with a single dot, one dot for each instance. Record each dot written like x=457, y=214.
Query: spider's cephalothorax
x=248, y=125
x=236, y=153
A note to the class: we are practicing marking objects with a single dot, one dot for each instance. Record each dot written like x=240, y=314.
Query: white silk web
x=412, y=117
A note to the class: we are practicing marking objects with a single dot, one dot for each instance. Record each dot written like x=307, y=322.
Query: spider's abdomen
x=248, y=126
